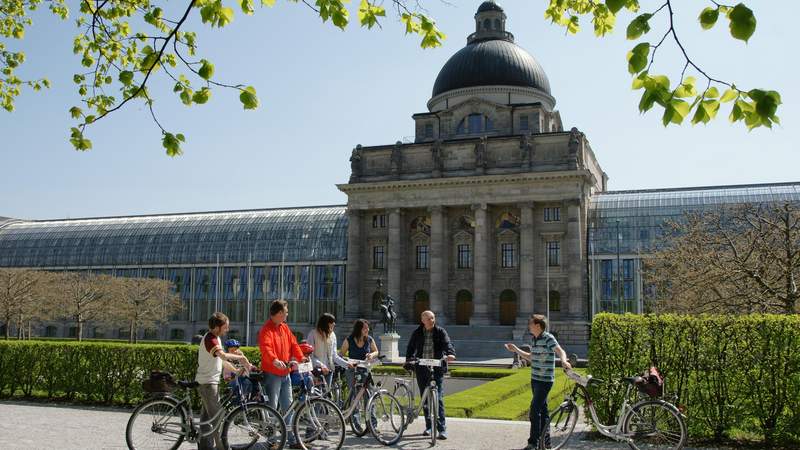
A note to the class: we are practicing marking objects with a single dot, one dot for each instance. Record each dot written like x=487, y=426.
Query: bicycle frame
x=613, y=431
x=195, y=427
x=413, y=410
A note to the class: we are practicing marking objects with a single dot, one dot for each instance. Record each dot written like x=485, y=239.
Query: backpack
x=159, y=382
x=652, y=383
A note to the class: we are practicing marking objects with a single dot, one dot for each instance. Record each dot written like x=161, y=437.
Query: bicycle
x=165, y=421
x=646, y=423
x=315, y=419
x=430, y=395
x=381, y=410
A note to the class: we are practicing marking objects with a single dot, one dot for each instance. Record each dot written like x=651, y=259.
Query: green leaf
x=686, y=89
x=172, y=144
x=637, y=57
x=78, y=141
x=206, y=70
x=674, y=112
x=638, y=26
x=708, y=17
x=186, y=96
x=75, y=112
x=368, y=14
x=729, y=95
x=615, y=5
x=711, y=92
x=743, y=22
x=126, y=77
x=200, y=97
x=248, y=98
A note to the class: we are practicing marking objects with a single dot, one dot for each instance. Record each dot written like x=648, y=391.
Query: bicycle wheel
x=433, y=409
x=560, y=427
x=357, y=419
x=654, y=424
x=157, y=424
x=386, y=415
x=319, y=424
x=254, y=426
x=406, y=399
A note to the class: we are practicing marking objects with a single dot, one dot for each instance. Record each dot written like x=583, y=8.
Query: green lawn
x=506, y=398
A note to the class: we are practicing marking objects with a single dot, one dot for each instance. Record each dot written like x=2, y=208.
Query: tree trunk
x=131, y=333
x=80, y=328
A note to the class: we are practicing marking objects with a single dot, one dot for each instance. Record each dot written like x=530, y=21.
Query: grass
x=508, y=398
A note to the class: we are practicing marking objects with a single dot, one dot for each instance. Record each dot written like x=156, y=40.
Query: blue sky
x=323, y=91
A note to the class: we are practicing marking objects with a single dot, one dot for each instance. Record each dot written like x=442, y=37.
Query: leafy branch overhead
x=679, y=100
x=123, y=44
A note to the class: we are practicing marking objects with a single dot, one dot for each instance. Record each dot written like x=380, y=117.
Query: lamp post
x=249, y=290
x=619, y=278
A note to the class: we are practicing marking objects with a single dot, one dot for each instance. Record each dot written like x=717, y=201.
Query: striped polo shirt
x=543, y=357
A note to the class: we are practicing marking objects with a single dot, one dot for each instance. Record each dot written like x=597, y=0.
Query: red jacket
x=277, y=341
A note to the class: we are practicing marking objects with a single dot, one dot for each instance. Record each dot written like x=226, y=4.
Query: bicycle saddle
x=188, y=384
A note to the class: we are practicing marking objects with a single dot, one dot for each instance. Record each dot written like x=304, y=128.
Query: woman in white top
x=325, y=355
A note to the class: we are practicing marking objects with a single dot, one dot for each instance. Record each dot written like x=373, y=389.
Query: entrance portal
x=508, y=307
x=463, y=307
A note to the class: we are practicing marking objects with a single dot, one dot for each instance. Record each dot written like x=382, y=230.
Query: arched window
x=555, y=301
x=498, y=25
x=487, y=24
x=421, y=303
x=376, y=300
x=508, y=307
x=463, y=307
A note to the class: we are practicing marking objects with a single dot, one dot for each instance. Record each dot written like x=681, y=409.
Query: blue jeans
x=538, y=415
x=422, y=381
x=247, y=388
x=279, y=389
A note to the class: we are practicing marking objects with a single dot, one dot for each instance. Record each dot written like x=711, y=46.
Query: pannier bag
x=652, y=383
x=159, y=382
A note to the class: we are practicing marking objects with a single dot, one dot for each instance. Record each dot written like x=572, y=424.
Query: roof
x=489, y=6
x=493, y=62
x=272, y=235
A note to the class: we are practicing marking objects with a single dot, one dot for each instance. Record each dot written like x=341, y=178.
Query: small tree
x=81, y=297
x=739, y=259
x=143, y=303
x=19, y=289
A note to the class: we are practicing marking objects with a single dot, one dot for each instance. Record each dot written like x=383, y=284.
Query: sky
x=322, y=91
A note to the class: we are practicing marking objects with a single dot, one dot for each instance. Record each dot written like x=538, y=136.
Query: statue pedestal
x=389, y=347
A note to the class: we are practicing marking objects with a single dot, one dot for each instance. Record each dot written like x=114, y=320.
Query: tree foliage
x=685, y=97
x=734, y=260
x=123, y=44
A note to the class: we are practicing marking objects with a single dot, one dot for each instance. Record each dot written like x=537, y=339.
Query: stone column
x=438, y=269
x=573, y=247
x=482, y=278
x=527, y=264
x=395, y=258
x=353, y=303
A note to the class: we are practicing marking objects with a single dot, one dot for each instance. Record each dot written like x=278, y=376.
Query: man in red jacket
x=278, y=345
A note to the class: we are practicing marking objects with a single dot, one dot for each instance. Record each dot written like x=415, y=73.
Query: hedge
x=733, y=373
x=109, y=373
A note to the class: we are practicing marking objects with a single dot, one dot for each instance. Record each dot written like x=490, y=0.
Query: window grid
x=554, y=253
x=464, y=256
x=507, y=255
x=377, y=257
x=423, y=259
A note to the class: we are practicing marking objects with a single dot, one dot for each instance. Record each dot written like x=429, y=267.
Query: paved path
x=32, y=426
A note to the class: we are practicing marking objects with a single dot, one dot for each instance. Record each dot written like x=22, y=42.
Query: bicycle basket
x=651, y=384
x=159, y=382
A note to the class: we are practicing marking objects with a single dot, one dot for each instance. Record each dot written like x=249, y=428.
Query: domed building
x=491, y=214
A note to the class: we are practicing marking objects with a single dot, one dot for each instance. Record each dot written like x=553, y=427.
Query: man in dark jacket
x=430, y=341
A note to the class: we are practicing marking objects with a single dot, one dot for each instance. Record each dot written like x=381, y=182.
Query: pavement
x=33, y=426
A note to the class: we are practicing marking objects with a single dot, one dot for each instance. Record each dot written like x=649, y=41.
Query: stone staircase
x=470, y=341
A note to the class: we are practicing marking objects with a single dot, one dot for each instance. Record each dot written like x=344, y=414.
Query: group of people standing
x=279, y=347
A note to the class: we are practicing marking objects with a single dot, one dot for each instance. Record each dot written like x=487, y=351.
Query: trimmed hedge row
x=89, y=371
x=733, y=373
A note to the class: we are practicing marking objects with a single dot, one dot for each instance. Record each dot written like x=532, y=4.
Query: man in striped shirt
x=544, y=349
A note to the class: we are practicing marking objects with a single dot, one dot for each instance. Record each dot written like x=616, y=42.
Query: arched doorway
x=421, y=303
x=463, y=307
x=508, y=307
x=555, y=301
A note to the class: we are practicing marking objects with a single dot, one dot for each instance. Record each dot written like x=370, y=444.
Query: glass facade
x=235, y=262
x=626, y=226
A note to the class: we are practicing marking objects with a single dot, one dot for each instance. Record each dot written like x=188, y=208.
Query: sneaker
x=427, y=432
x=442, y=435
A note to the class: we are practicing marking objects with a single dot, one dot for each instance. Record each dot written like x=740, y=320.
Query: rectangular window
x=379, y=221
x=464, y=256
x=554, y=253
x=627, y=279
x=422, y=257
x=552, y=214
x=535, y=120
x=428, y=130
x=523, y=122
x=606, y=279
x=377, y=257
x=507, y=255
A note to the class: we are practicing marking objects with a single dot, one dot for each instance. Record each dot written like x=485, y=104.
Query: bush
x=733, y=373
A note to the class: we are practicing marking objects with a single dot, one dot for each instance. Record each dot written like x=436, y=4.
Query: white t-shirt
x=209, y=367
